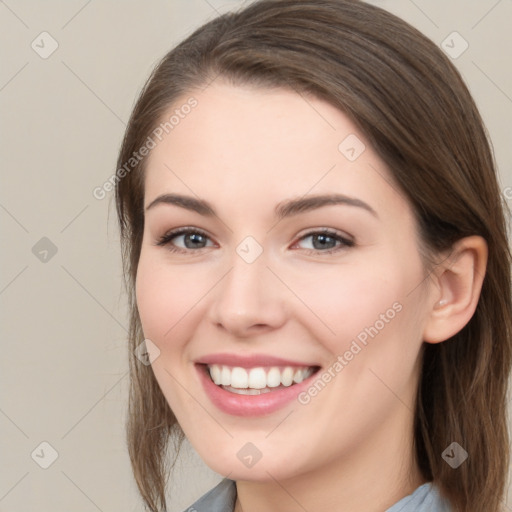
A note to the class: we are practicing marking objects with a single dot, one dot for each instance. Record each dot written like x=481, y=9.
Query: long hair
x=411, y=103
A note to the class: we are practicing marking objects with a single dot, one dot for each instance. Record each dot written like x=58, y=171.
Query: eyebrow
x=284, y=209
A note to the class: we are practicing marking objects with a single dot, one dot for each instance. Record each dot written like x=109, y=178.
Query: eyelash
x=166, y=239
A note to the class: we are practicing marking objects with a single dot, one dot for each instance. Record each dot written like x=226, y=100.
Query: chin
x=248, y=463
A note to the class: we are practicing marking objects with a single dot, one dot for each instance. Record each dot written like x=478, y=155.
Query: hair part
x=412, y=105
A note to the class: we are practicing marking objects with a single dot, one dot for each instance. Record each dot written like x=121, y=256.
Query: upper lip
x=249, y=361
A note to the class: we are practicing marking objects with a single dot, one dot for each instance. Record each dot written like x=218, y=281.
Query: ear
x=458, y=282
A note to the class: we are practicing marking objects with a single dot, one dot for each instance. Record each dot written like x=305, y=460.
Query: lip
x=249, y=361
x=251, y=405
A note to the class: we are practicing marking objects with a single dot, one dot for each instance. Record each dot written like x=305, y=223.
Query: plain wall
x=63, y=312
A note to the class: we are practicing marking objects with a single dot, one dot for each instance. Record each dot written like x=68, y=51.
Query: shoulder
x=426, y=498
x=219, y=499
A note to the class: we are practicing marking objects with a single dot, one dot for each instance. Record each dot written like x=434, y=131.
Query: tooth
x=257, y=378
x=299, y=376
x=273, y=377
x=239, y=378
x=287, y=376
x=225, y=376
x=307, y=373
x=245, y=391
x=215, y=373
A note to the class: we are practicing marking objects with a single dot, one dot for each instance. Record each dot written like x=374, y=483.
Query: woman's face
x=300, y=256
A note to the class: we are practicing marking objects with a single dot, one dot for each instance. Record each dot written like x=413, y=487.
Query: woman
x=317, y=261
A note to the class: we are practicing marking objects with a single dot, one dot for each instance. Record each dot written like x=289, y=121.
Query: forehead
x=256, y=120
x=245, y=141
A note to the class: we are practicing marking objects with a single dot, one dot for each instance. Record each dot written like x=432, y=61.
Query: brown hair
x=414, y=108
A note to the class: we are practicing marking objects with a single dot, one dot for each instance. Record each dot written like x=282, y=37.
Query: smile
x=258, y=380
x=253, y=385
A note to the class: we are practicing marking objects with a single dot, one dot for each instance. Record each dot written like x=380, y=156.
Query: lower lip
x=250, y=405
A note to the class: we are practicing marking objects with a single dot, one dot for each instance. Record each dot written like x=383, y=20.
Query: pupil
x=323, y=239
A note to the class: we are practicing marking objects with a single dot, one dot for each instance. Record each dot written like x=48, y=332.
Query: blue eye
x=191, y=238
x=326, y=241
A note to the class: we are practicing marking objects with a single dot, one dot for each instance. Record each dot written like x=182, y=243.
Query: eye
x=184, y=239
x=325, y=241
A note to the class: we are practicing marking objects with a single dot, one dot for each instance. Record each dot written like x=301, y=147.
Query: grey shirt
x=425, y=498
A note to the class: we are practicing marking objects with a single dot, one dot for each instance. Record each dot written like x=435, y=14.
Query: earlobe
x=458, y=283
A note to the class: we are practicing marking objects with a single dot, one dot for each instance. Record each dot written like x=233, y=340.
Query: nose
x=248, y=300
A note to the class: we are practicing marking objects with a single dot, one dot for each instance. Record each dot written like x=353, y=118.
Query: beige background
x=64, y=363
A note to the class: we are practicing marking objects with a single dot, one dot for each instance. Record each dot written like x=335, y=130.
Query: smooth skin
x=245, y=151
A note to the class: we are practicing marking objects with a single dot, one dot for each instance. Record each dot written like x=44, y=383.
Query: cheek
x=163, y=298
x=348, y=302
x=377, y=323
x=165, y=301
x=373, y=350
